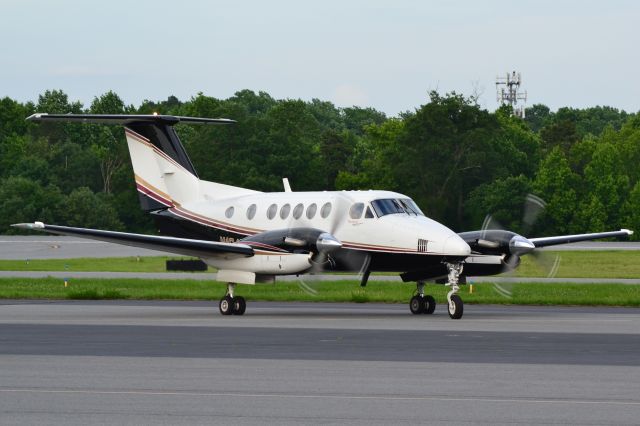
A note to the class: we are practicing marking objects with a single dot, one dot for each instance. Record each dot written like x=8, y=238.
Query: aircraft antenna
x=508, y=92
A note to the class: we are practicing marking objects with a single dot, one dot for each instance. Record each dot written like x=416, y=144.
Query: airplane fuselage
x=363, y=221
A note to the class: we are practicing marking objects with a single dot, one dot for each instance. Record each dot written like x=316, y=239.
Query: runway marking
x=327, y=396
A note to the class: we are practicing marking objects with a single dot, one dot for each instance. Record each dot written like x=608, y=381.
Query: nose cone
x=327, y=243
x=520, y=245
x=455, y=246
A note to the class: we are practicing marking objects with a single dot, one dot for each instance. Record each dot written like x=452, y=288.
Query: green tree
x=538, y=116
x=562, y=134
x=25, y=200
x=555, y=183
x=503, y=199
x=85, y=209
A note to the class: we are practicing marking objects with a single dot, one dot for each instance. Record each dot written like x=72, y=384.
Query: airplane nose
x=456, y=246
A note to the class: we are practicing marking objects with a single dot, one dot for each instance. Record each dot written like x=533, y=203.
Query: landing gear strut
x=455, y=305
x=230, y=304
x=421, y=304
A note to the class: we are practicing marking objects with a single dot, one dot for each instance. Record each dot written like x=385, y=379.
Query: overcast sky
x=384, y=54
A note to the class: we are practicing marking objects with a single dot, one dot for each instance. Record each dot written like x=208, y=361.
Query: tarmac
x=174, y=363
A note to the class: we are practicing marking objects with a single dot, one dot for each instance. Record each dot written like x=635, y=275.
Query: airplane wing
x=566, y=239
x=183, y=246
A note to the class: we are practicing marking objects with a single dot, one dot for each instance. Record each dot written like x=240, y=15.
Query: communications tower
x=508, y=92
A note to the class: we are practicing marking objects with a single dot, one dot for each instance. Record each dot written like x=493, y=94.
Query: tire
x=416, y=305
x=455, y=311
x=429, y=304
x=226, y=305
x=240, y=305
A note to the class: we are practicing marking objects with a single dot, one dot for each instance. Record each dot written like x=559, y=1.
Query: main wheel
x=239, y=306
x=455, y=307
x=227, y=305
x=416, y=304
x=429, y=304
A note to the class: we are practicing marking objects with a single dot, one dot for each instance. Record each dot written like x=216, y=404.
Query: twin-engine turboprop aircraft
x=252, y=237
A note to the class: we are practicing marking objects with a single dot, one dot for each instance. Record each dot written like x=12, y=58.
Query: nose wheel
x=455, y=305
x=232, y=305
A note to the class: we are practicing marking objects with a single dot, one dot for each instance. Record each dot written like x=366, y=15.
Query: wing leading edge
x=183, y=246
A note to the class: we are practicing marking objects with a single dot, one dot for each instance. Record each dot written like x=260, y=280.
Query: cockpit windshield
x=393, y=206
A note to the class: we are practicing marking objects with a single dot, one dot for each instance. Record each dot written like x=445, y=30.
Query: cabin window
x=251, y=211
x=325, y=211
x=297, y=211
x=229, y=212
x=284, y=211
x=271, y=211
x=311, y=210
x=369, y=213
x=355, y=212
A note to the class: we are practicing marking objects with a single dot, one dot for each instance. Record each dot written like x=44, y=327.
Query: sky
x=384, y=54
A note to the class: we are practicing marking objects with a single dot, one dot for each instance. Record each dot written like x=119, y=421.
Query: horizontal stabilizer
x=125, y=119
x=183, y=246
x=566, y=239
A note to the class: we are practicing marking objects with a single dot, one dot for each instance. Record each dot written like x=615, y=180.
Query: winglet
x=628, y=231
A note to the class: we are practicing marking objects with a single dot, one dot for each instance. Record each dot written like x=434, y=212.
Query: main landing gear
x=421, y=304
x=230, y=304
x=426, y=304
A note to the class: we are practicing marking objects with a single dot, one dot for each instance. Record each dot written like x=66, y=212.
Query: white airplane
x=252, y=237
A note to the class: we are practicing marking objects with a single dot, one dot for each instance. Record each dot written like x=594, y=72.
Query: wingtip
x=628, y=231
x=34, y=225
x=35, y=117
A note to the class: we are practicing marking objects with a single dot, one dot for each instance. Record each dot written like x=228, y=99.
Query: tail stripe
x=145, y=141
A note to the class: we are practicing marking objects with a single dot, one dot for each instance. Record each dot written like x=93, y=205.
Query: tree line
x=458, y=161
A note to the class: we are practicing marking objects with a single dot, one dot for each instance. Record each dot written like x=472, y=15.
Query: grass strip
x=334, y=291
x=573, y=264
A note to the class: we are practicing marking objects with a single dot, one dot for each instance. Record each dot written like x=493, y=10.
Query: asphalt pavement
x=126, y=362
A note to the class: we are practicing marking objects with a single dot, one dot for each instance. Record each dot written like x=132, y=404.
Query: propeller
x=493, y=236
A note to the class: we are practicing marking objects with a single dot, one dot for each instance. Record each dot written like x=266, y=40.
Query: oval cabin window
x=311, y=210
x=271, y=212
x=229, y=212
x=251, y=211
x=325, y=211
x=297, y=211
x=284, y=211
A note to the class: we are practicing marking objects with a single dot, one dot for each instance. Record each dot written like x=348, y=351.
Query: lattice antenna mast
x=508, y=93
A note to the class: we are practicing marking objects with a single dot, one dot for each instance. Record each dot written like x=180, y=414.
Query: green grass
x=573, y=264
x=335, y=291
x=586, y=264
x=107, y=264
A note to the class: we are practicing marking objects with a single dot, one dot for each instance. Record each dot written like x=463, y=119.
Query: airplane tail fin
x=164, y=174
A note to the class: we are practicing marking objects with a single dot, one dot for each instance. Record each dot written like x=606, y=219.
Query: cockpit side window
x=355, y=212
x=369, y=213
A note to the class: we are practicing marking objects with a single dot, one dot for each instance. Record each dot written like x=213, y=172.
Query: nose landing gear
x=455, y=305
x=426, y=304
